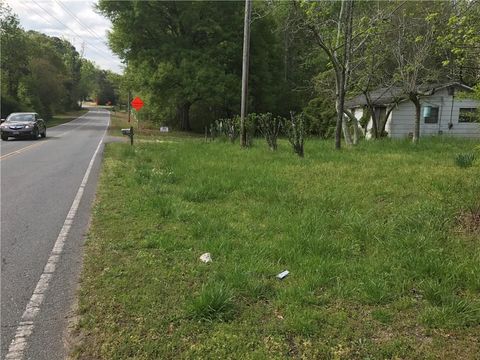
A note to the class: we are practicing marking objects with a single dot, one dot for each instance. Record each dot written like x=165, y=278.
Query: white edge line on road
x=24, y=330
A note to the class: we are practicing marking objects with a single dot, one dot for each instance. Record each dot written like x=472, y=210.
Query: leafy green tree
x=458, y=41
x=13, y=60
x=413, y=48
x=88, y=80
x=183, y=52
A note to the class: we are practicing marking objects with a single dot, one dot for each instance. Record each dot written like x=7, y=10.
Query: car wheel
x=35, y=134
x=44, y=134
x=4, y=137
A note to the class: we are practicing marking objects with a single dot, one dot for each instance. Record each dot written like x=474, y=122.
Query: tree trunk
x=183, y=115
x=340, y=83
x=384, y=123
x=416, y=131
x=339, y=104
x=343, y=72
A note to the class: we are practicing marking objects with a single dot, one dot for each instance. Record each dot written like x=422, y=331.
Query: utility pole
x=246, y=55
x=128, y=105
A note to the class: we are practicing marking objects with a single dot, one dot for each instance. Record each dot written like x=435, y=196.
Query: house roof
x=390, y=95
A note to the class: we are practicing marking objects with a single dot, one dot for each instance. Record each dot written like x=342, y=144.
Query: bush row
x=267, y=125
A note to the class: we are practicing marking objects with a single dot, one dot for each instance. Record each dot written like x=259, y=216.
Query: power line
x=37, y=13
x=80, y=22
x=96, y=50
x=99, y=51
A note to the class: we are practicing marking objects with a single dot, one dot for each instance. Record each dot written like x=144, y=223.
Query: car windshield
x=21, y=117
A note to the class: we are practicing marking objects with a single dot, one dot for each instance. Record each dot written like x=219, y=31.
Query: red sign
x=137, y=103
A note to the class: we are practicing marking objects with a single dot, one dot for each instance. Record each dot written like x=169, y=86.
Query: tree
x=88, y=79
x=458, y=41
x=342, y=30
x=13, y=60
x=413, y=49
x=184, y=52
x=336, y=42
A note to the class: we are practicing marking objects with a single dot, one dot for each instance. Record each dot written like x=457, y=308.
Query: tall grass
x=369, y=235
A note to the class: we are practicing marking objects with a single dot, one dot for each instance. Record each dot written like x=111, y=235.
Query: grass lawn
x=143, y=130
x=62, y=118
x=380, y=242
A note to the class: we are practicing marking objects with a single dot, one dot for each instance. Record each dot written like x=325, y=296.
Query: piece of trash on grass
x=283, y=274
x=206, y=258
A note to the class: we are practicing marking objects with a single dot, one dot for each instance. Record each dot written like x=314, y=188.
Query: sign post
x=137, y=104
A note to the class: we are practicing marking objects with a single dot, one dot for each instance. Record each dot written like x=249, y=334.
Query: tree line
x=184, y=58
x=46, y=74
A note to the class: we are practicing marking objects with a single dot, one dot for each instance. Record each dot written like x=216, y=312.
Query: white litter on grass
x=206, y=258
x=283, y=274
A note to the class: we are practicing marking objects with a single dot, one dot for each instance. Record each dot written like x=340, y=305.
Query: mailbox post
x=137, y=103
x=129, y=133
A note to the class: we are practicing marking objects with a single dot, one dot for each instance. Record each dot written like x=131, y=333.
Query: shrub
x=464, y=160
x=229, y=127
x=296, y=130
x=321, y=116
x=270, y=127
x=250, y=127
x=214, y=130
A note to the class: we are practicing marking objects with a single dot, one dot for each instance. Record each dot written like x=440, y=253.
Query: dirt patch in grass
x=469, y=220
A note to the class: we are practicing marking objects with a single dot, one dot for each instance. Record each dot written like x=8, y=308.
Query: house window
x=430, y=114
x=468, y=115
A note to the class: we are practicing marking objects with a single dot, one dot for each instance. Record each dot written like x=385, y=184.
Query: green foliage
x=229, y=127
x=458, y=37
x=215, y=302
x=321, y=117
x=189, y=61
x=464, y=160
x=9, y=105
x=46, y=74
x=189, y=67
x=270, y=127
x=367, y=263
x=296, y=132
x=251, y=122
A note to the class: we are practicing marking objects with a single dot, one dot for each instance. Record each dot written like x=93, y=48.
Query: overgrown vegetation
x=296, y=132
x=46, y=74
x=465, y=160
x=270, y=127
x=378, y=265
x=305, y=57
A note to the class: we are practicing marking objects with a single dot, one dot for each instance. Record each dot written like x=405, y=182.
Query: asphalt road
x=39, y=181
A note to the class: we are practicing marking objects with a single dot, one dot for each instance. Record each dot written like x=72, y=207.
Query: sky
x=85, y=29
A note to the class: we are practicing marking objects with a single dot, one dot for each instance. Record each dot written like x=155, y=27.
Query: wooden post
x=129, y=105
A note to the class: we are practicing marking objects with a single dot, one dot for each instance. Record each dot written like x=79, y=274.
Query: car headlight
x=27, y=126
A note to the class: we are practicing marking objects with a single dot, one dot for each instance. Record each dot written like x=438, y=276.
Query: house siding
x=358, y=113
x=403, y=117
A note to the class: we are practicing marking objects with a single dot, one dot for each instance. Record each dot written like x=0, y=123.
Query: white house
x=448, y=110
